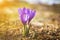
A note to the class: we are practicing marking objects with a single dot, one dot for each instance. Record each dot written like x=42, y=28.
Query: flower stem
x=25, y=30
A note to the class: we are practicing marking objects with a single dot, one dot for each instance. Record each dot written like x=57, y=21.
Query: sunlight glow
x=9, y=0
x=1, y=1
x=8, y=10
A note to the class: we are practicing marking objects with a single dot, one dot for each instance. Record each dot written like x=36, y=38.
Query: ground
x=45, y=32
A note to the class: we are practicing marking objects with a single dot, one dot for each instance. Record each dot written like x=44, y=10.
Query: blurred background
x=43, y=7
x=47, y=12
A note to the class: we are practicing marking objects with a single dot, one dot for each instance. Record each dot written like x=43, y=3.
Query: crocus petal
x=21, y=15
x=20, y=10
x=25, y=10
x=32, y=14
x=24, y=18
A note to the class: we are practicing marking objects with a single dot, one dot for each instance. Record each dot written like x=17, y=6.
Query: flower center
x=26, y=17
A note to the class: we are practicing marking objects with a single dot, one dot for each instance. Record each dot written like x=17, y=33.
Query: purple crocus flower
x=26, y=15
